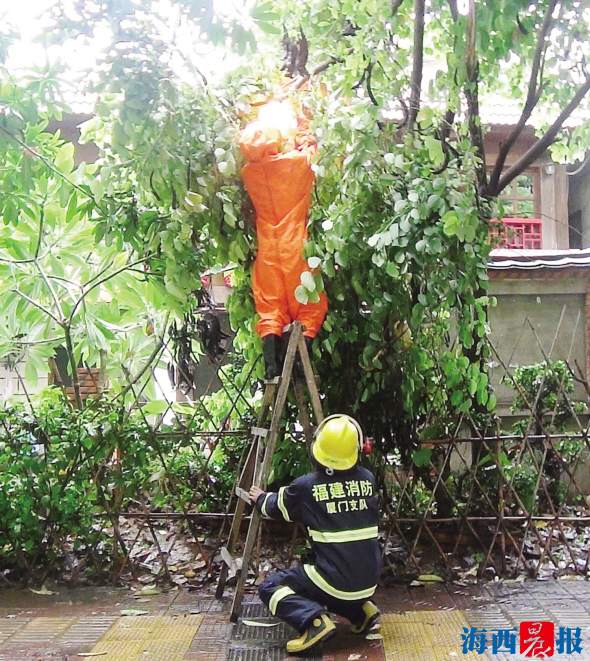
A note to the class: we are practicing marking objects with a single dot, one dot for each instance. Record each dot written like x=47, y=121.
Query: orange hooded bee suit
x=279, y=181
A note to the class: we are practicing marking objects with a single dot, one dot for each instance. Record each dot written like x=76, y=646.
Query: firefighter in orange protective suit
x=279, y=180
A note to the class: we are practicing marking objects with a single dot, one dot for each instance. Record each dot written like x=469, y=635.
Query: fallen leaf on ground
x=354, y=657
x=374, y=636
x=252, y=623
x=430, y=578
x=149, y=590
x=416, y=584
x=42, y=590
x=133, y=611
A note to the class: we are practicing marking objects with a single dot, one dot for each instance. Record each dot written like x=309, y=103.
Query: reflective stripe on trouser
x=291, y=596
x=319, y=581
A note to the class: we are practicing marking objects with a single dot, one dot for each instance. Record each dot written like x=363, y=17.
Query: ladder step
x=233, y=564
x=243, y=494
x=259, y=431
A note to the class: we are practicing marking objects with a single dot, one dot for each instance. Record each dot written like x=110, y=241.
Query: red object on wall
x=517, y=233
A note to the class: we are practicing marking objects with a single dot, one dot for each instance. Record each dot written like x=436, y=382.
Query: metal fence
x=512, y=498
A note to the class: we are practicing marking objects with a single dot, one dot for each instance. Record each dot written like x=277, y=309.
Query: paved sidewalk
x=418, y=624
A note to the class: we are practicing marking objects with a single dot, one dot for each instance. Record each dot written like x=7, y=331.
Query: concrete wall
x=543, y=303
x=579, y=200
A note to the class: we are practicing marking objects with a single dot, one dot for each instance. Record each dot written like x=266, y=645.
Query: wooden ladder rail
x=263, y=445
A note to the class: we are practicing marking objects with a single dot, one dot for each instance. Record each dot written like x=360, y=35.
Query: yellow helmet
x=337, y=442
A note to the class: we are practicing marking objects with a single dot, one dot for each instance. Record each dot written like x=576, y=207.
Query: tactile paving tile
x=87, y=630
x=149, y=637
x=424, y=636
x=256, y=654
x=279, y=632
x=187, y=603
x=255, y=610
x=9, y=626
x=214, y=629
x=42, y=630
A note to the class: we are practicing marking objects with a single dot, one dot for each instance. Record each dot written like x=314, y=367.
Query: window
x=521, y=199
x=521, y=226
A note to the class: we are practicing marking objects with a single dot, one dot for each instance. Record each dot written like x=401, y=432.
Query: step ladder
x=257, y=466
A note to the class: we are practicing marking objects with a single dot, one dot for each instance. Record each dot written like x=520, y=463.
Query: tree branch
x=41, y=224
x=449, y=117
x=51, y=289
x=49, y=165
x=158, y=349
x=102, y=281
x=454, y=10
x=472, y=94
x=541, y=145
x=532, y=98
x=395, y=5
x=59, y=322
x=416, y=81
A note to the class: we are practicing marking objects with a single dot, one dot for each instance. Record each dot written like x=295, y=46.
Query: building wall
x=535, y=318
x=579, y=201
x=11, y=386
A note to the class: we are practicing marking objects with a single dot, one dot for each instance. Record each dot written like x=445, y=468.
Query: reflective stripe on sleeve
x=263, y=508
x=281, y=504
x=355, y=535
x=277, y=595
x=316, y=578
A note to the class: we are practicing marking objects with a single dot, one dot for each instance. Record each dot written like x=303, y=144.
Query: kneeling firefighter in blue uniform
x=338, y=505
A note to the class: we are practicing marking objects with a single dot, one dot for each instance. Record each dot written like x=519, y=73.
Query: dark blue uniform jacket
x=340, y=513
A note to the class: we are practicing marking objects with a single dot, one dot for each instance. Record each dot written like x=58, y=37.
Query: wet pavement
x=423, y=623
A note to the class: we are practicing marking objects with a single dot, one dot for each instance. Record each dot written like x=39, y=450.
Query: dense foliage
x=66, y=474
x=403, y=197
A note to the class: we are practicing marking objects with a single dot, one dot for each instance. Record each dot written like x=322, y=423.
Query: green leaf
x=314, y=262
x=72, y=206
x=421, y=457
x=64, y=158
x=155, y=407
x=184, y=408
x=301, y=295
x=430, y=578
x=457, y=397
x=193, y=200
x=31, y=373
x=435, y=150
x=492, y=402
x=308, y=281
x=450, y=223
x=392, y=270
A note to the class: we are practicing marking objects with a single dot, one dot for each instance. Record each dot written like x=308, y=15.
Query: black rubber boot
x=270, y=344
x=282, y=351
